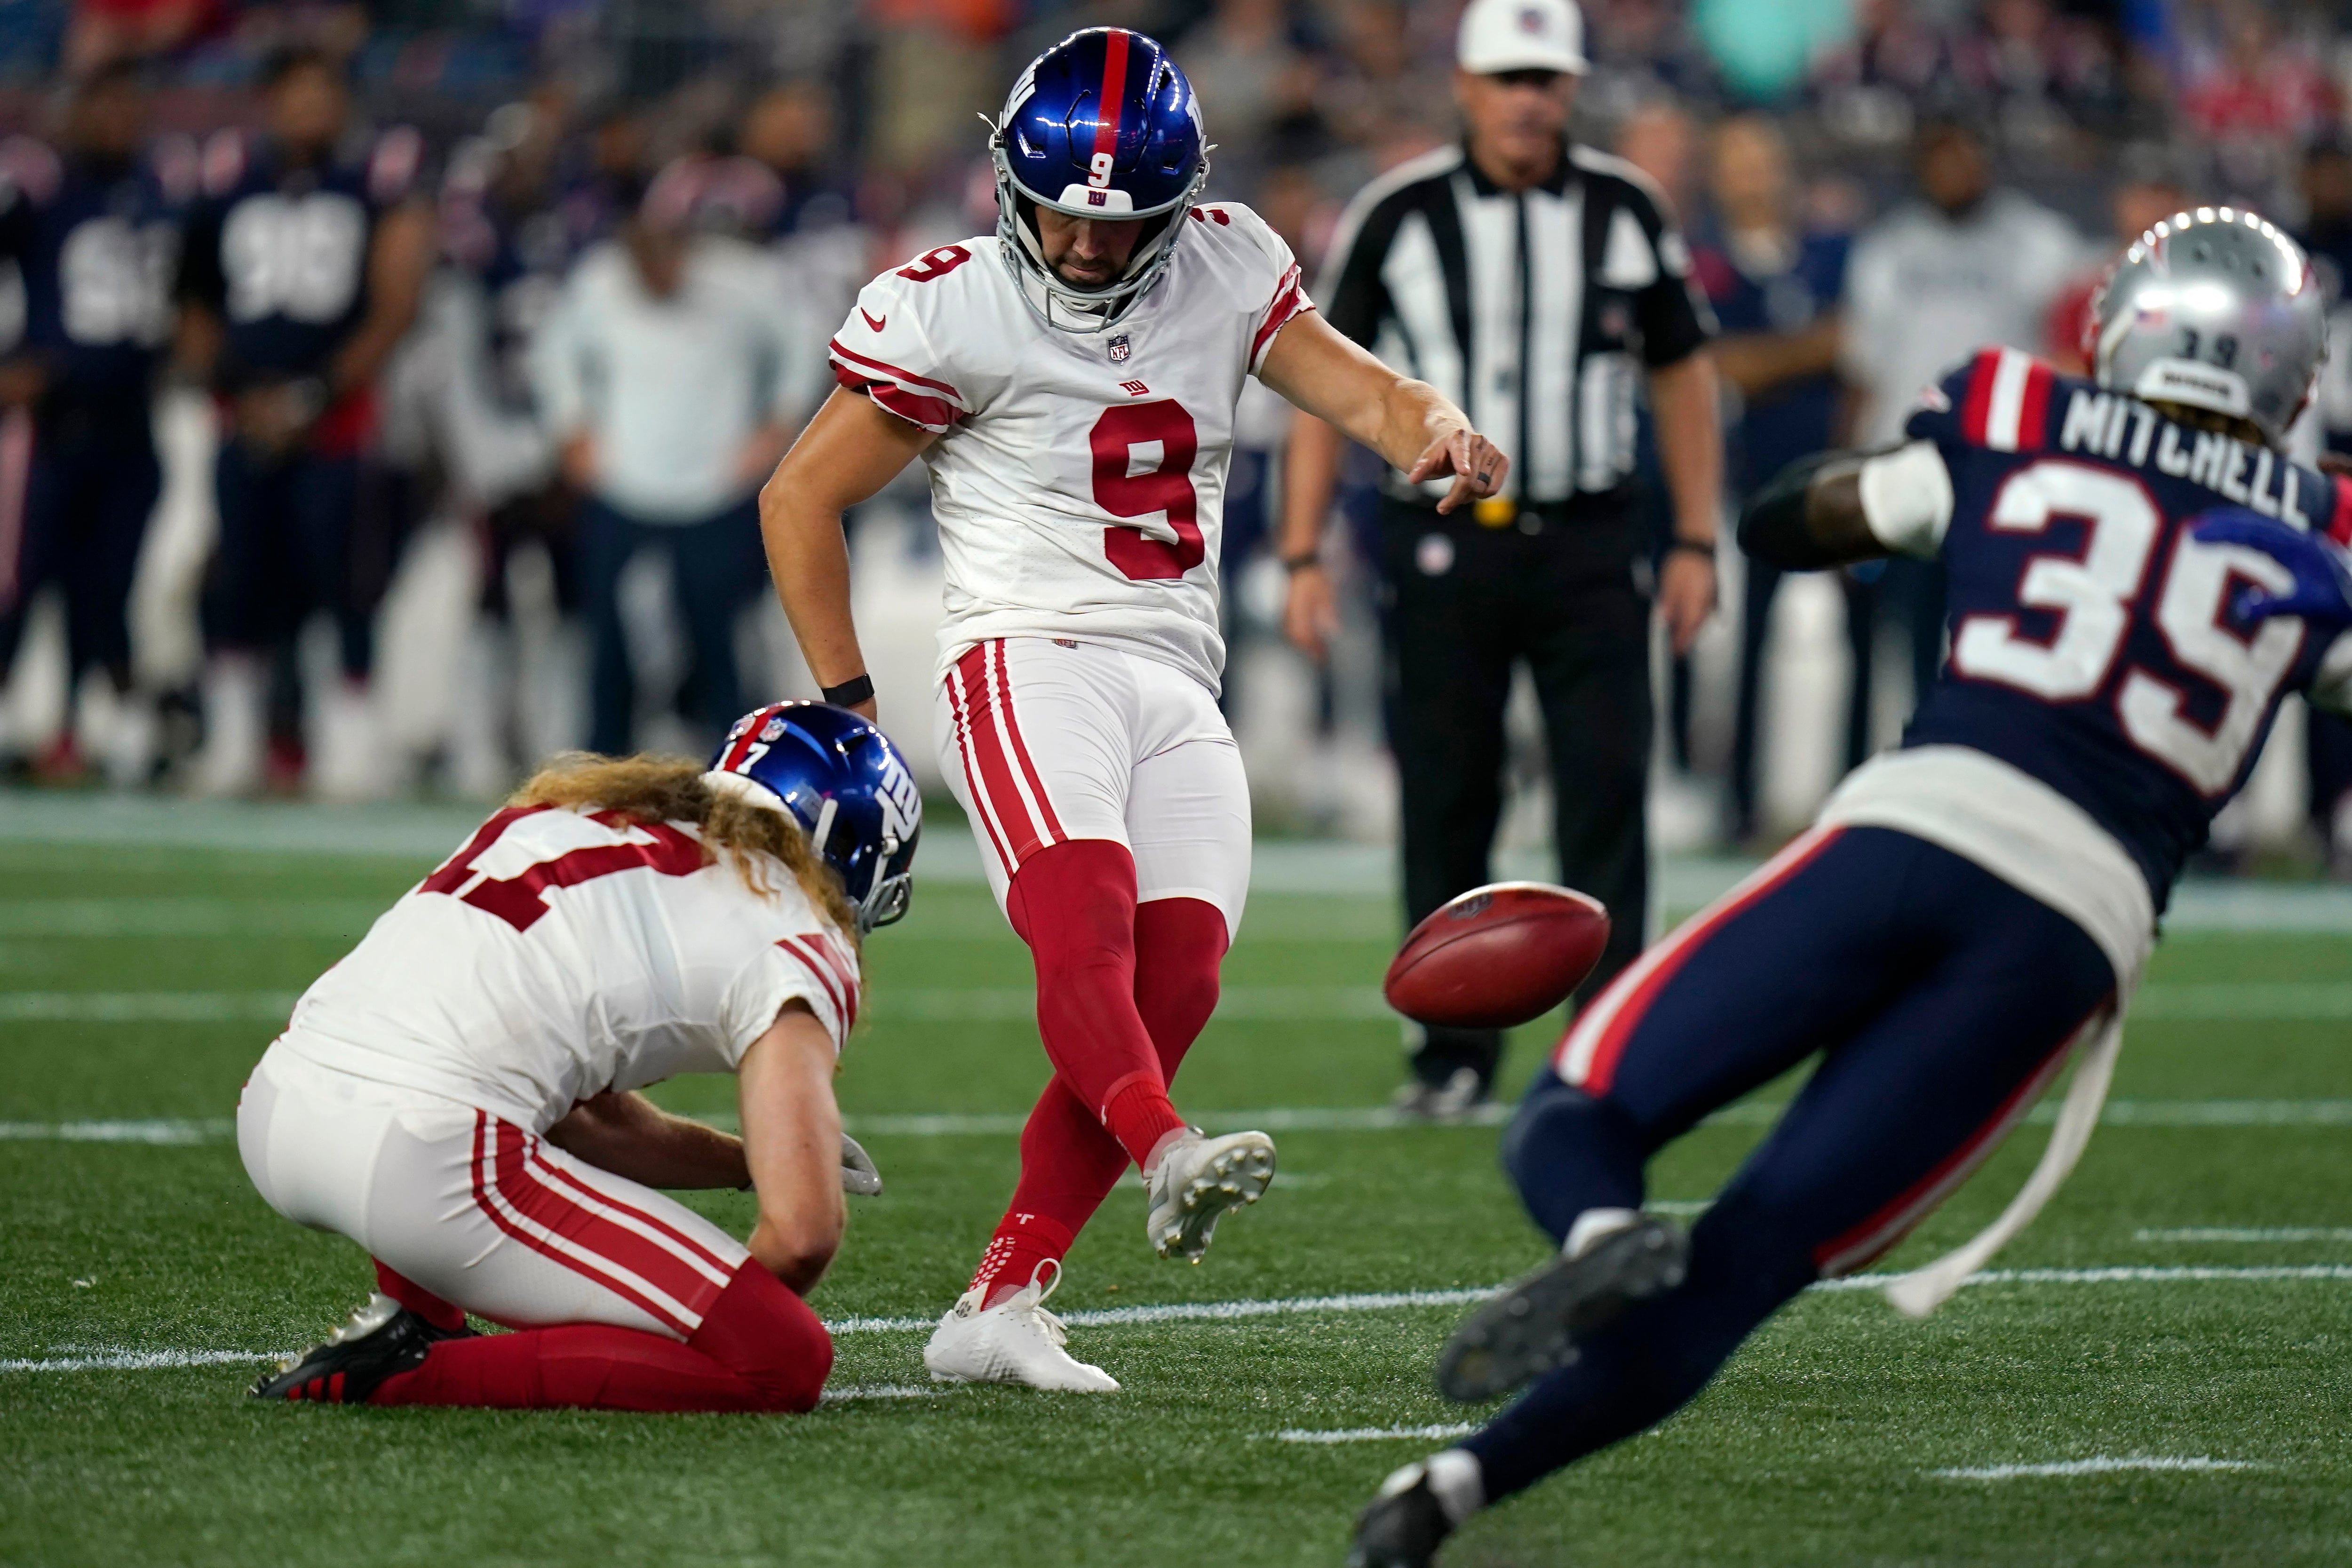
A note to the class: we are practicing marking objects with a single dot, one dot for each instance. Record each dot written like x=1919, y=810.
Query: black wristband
x=858, y=688
x=1303, y=560
x=1694, y=546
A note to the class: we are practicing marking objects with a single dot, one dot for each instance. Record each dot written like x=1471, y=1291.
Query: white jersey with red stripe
x=1079, y=480
x=563, y=952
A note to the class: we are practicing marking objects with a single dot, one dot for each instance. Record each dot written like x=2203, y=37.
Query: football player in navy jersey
x=1969, y=911
x=95, y=233
x=300, y=274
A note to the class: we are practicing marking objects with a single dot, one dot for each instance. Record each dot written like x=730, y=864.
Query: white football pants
x=1044, y=740
x=481, y=1212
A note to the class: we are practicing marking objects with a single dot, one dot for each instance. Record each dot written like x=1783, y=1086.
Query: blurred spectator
x=2254, y=98
x=506, y=250
x=108, y=32
x=789, y=131
x=668, y=373
x=2326, y=181
x=301, y=275
x=1871, y=91
x=1382, y=96
x=1249, y=62
x=1775, y=288
x=94, y=234
x=934, y=67
x=2148, y=192
x=1963, y=266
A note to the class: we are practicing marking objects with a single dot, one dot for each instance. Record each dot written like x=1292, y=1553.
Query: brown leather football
x=1497, y=956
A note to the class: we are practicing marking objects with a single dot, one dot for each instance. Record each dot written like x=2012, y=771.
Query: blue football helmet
x=841, y=780
x=1101, y=125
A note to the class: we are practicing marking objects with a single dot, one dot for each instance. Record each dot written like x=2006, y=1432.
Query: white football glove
x=857, y=1173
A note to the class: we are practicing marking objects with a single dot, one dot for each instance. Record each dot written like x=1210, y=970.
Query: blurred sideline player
x=96, y=234
x=1969, y=909
x=458, y=1095
x=1070, y=380
x=302, y=274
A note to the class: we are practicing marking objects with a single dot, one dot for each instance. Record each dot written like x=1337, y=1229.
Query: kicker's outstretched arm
x=1409, y=423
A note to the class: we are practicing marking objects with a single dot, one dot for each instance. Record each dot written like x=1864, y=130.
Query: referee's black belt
x=1604, y=528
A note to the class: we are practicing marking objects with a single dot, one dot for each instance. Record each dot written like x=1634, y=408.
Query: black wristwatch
x=1304, y=559
x=1693, y=547
x=858, y=688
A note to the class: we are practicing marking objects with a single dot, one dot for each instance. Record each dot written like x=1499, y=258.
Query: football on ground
x=1497, y=956
x=2157, y=1373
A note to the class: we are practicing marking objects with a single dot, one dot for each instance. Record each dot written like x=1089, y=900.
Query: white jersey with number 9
x=1079, y=480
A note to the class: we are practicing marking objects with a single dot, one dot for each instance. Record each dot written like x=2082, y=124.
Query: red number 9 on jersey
x=1166, y=486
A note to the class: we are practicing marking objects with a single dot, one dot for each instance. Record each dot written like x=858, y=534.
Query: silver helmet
x=2215, y=310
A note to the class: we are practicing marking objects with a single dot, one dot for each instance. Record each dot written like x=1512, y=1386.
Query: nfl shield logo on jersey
x=1120, y=350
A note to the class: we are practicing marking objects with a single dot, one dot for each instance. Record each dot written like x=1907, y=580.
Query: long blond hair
x=654, y=789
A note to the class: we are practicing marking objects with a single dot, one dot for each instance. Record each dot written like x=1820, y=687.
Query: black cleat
x=381, y=1339
x=1401, y=1527
x=1534, y=1326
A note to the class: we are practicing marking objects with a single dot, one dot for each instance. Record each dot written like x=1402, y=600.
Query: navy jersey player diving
x=2136, y=580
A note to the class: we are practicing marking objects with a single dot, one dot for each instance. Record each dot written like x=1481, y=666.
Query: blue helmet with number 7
x=841, y=779
x=1102, y=125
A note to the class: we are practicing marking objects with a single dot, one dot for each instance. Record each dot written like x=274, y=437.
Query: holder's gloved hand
x=857, y=1173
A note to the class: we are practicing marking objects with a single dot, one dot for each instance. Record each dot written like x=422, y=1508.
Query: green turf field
x=138, y=984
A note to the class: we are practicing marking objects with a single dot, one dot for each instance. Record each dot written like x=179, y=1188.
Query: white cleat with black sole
x=1016, y=1340
x=1197, y=1180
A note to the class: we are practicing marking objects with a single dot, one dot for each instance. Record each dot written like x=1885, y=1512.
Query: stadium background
x=873, y=137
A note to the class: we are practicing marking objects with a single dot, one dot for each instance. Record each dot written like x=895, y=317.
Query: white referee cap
x=1521, y=35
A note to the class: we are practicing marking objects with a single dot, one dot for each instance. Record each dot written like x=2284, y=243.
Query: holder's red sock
x=759, y=1348
x=419, y=1299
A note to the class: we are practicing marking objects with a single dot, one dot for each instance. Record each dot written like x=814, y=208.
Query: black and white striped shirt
x=1580, y=280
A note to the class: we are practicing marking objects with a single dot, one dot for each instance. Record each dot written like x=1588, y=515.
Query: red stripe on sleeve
x=820, y=973
x=2034, y=418
x=885, y=368
x=2339, y=527
x=1977, y=411
x=1288, y=301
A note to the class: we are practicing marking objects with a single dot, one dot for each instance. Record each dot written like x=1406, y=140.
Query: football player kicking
x=1070, y=381
x=458, y=1095
x=1968, y=910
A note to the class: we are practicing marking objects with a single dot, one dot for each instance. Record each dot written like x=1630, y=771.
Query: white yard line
x=881, y=1391
x=217, y=1130
x=2201, y=1233
x=2101, y=1466
x=1373, y=1434
x=71, y=1358
x=115, y=1359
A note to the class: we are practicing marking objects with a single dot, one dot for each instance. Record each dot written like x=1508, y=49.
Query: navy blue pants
x=285, y=553
x=87, y=498
x=716, y=566
x=1941, y=1002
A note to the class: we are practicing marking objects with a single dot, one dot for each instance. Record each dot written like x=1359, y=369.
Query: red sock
x=1074, y=904
x=759, y=1348
x=1069, y=1162
x=419, y=1299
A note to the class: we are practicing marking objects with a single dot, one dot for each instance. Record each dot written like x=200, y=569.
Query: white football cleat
x=1197, y=1180
x=1016, y=1340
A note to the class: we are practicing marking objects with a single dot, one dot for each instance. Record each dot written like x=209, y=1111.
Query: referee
x=1535, y=283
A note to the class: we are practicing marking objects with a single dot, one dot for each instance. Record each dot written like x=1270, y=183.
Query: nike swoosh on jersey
x=874, y=322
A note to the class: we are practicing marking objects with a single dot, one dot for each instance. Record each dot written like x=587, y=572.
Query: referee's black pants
x=1462, y=604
